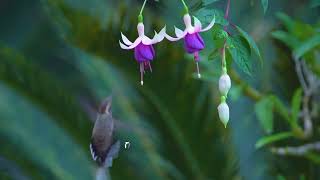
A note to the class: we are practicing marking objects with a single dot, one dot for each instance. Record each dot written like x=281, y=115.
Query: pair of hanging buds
x=224, y=87
x=144, y=52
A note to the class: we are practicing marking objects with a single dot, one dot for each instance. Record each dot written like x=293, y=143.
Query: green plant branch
x=309, y=84
x=296, y=151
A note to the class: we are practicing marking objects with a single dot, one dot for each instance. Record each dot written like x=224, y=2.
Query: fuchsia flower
x=193, y=42
x=144, y=52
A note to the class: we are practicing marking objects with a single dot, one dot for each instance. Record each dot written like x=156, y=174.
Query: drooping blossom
x=223, y=111
x=144, y=52
x=193, y=42
x=224, y=84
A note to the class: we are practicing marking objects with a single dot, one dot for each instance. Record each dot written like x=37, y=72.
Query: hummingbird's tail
x=102, y=173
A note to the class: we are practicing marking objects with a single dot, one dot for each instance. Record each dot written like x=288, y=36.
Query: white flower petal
x=179, y=32
x=190, y=30
x=122, y=45
x=156, y=38
x=210, y=25
x=126, y=40
x=187, y=20
x=172, y=38
x=136, y=42
x=146, y=40
x=162, y=34
x=197, y=24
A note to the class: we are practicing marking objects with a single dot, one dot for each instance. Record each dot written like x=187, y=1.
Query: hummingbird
x=104, y=148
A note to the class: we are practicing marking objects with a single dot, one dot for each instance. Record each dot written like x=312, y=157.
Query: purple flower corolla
x=144, y=52
x=193, y=42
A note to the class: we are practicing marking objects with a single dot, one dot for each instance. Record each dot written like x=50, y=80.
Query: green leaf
x=214, y=54
x=240, y=53
x=281, y=108
x=314, y=3
x=208, y=2
x=250, y=41
x=286, y=21
x=218, y=33
x=297, y=29
x=206, y=15
x=272, y=138
x=264, y=111
x=302, y=177
x=314, y=157
x=36, y=135
x=280, y=177
x=264, y=5
x=295, y=104
x=286, y=38
x=307, y=46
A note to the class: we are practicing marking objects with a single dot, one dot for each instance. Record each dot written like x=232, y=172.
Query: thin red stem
x=226, y=14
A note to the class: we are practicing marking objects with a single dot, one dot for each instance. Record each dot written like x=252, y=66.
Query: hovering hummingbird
x=104, y=148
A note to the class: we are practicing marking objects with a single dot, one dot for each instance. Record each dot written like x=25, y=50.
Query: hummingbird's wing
x=112, y=153
x=97, y=154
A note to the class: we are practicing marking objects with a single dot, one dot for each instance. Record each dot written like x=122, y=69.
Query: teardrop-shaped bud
x=224, y=84
x=223, y=110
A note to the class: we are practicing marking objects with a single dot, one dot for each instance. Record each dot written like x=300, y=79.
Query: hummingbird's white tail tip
x=141, y=82
x=101, y=173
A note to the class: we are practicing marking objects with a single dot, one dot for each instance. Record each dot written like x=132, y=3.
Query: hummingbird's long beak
x=105, y=106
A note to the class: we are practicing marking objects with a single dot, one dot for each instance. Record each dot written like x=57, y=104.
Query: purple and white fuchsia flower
x=193, y=42
x=144, y=52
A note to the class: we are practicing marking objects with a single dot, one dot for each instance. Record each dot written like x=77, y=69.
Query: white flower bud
x=224, y=84
x=223, y=111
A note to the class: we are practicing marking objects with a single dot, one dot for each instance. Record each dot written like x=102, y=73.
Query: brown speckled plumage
x=102, y=145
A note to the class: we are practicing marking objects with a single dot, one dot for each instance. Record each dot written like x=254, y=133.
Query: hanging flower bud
x=224, y=84
x=223, y=110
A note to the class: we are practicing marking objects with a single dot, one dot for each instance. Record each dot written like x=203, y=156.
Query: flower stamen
x=150, y=66
x=196, y=59
x=141, y=73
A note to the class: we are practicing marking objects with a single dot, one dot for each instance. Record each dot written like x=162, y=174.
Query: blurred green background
x=60, y=58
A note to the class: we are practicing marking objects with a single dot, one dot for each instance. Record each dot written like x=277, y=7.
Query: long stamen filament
x=141, y=73
x=198, y=69
x=150, y=66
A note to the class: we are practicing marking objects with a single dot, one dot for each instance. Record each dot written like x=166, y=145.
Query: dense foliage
x=60, y=58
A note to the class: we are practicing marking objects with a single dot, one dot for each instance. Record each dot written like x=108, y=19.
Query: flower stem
x=223, y=60
x=186, y=9
x=226, y=15
x=140, y=17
